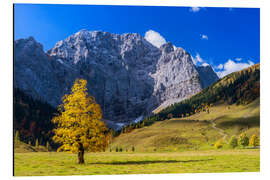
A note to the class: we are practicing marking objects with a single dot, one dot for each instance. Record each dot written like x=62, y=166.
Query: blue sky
x=226, y=38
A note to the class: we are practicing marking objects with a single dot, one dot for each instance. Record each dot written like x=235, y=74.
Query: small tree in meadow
x=36, y=143
x=254, y=141
x=79, y=126
x=17, y=136
x=116, y=149
x=219, y=144
x=243, y=139
x=48, y=146
x=133, y=148
x=29, y=142
x=233, y=142
x=143, y=124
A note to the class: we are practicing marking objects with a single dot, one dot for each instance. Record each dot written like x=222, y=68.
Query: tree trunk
x=81, y=154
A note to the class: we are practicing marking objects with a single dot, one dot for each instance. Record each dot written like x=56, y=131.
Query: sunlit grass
x=51, y=163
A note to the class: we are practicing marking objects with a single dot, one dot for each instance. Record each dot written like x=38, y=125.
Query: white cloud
x=230, y=66
x=154, y=38
x=205, y=64
x=219, y=66
x=194, y=9
x=203, y=36
x=193, y=60
x=238, y=59
x=197, y=59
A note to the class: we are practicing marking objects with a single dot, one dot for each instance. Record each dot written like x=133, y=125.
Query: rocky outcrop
x=207, y=75
x=128, y=76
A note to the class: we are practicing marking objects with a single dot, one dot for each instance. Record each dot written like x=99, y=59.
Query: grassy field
x=52, y=163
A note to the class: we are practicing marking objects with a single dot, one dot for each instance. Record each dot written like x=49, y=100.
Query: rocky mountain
x=33, y=72
x=128, y=76
x=207, y=75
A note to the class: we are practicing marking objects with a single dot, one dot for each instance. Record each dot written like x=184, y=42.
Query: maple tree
x=78, y=125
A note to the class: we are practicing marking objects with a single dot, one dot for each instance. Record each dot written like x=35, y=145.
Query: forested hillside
x=32, y=118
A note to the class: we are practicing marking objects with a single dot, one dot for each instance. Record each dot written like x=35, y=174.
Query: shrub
x=254, y=141
x=120, y=150
x=133, y=148
x=116, y=149
x=233, y=142
x=219, y=144
x=243, y=140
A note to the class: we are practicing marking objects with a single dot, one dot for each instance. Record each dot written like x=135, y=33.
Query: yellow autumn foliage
x=79, y=122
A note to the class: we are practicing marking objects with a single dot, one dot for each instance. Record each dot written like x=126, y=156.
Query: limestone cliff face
x=128, y=76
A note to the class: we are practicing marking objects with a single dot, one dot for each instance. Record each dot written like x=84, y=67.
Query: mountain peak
x=167, y=47
x=29, y=43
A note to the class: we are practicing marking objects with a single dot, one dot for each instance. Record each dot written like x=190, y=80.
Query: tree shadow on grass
x=149, y=162
x=253, y=121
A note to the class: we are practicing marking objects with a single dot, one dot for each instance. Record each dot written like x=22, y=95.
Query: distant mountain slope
x=240, y=87
x=207, y=75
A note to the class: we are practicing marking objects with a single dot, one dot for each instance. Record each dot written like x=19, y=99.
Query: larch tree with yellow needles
x=78, y=125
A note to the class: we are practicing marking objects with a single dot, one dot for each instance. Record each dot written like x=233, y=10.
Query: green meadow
x=210, y=161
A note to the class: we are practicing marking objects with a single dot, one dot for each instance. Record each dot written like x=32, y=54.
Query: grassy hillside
x=193, y=132
x=21, y=147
